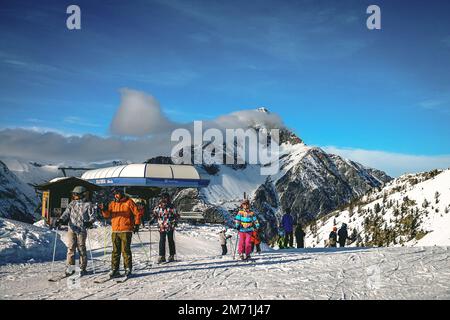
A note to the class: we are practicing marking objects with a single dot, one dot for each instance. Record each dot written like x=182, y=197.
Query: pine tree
x=377, y=207
x=436, y=197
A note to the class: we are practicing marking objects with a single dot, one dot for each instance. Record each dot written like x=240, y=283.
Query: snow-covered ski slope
x=200, y=273
x=424, y=197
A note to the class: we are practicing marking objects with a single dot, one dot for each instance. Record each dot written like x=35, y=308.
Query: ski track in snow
x=200, y=273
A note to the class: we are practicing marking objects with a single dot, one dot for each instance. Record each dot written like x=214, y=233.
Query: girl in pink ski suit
x=246, y=222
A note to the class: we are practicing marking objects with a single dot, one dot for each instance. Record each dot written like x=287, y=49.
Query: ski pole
x=142, y=244
x=54, y=253
x=235, y=245
x=150, y=230
x=90, y=250
x=232, y=245
x=104, y=240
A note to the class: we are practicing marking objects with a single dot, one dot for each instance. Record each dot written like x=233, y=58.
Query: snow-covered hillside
x=31, y=172
x=201, y=273
x=18, y=200
x=411, y=210
x=21, y=242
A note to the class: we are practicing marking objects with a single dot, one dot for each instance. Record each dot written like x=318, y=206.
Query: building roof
x=151, y=175
x=68, y=182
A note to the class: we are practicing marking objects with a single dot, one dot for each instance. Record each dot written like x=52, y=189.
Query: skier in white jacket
x=80, y=214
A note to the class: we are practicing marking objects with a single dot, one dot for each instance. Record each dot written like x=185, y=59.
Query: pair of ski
x=167, y=262
x=61, y=277
x=248, y=260
x=119, y=279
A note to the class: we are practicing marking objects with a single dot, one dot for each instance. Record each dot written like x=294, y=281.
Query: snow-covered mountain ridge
x=410, y=210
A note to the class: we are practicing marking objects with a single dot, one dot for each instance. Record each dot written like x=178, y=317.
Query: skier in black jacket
x=300, y=236
x=343, y=235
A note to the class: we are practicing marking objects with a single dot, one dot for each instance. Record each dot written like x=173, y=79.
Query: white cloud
x=245, y=119
x=47, y=146
x=441, y=104
x=395, y=164
x=139, y=115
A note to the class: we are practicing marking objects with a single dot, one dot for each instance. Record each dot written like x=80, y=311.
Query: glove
x=88, y=224
x=58, y=223
x=136, y=228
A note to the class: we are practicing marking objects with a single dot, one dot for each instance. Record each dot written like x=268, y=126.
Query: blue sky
x=312, y=62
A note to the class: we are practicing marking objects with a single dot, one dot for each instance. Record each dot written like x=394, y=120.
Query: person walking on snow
x=256, y=241
x=245, y=222
x=332, y=239
x=287, y=222
x=343, y=235
x=125, y=219
x=81, y=215
x=223, y=237
x=167, y=218
x=300, y=236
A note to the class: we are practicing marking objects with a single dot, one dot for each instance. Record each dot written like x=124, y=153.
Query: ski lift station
x=140, y=180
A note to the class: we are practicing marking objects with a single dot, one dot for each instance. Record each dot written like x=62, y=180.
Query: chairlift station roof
x=147, y=175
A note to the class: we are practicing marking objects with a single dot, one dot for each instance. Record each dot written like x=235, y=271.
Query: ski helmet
x=79, y=190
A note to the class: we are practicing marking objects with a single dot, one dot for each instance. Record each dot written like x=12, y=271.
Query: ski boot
x=161, y=259
x=83, y=272
x=241, y=256
x=248, y=257
x=127, y=272
x=70, y=270
x=114, y=274
x=171, y=258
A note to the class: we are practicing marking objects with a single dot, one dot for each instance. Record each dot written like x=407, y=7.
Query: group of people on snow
x=288, y=230
x=126, y=217
x=336, y=236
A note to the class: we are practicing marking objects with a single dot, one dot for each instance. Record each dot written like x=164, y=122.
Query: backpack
x=332, y=241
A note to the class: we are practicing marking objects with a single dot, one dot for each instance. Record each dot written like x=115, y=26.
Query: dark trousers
x=224, y=249
x=289, y=239
x=300, y=243
x=162, y=243
x=341, y=243
x=258, y=247
x=121, y=242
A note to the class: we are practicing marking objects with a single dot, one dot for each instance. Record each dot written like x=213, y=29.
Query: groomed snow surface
x=201, y=273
